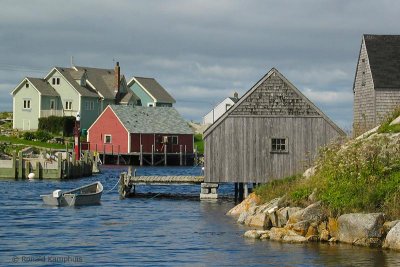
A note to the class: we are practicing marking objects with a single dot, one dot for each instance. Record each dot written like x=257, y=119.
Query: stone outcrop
x=361, y=229
x=392, y=240
x=311, y=224
x=251, y=201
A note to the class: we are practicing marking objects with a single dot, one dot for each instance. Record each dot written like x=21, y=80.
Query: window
x=68, y=105
x=55, y=81
x=89, y=105
x=27, y=104
x=173, y=140
x=227, y=106
x=107, y=139
x=52, y=104
x=279, y=145
x=150, y=105
x=27, y=85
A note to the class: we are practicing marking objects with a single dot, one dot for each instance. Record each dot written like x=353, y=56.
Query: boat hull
x=85, y=195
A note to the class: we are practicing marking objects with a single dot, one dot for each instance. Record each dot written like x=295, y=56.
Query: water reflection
x=142, y=231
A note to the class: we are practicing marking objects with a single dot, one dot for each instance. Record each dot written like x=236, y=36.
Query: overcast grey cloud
x=200, y=51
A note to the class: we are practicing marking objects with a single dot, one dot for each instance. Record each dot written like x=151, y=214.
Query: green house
x=150, y=92
x=67, y=92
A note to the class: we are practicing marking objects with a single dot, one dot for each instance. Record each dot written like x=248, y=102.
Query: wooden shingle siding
x=275, y=97
x=386, y=101
x=364, y=95
x=238, y=146
x=239, y=150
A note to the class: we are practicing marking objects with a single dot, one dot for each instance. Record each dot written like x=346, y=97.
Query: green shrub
x=43, y=136
x=198, y=141
x=28, y=136
x=57, y=125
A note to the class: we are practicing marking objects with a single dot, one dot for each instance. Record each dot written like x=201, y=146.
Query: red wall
x=108, y=123
x=148, y=140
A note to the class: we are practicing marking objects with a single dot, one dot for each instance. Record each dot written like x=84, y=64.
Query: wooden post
x=112, y=150
x=240, y=191
x=59, y=167
x=73, y=165
x=68, y=173
x=37, y=170
x=118, y=155
x=14, y=165
x=152, y=155
x=141, y=155
x=104, y=154
x=27, y=168
x=165, y=155
x=20, y=165
x=185, y=155
x=246, y=190
x=180, y=155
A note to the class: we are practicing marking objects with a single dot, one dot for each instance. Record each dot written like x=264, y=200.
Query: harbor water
x=148, y=231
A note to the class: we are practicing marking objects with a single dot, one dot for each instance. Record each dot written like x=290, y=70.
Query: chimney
x=236, y=95
x=117, y=75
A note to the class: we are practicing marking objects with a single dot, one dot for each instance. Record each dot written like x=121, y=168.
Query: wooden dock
x=128, y=183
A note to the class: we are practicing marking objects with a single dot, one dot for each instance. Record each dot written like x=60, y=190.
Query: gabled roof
x=102, y=79
x=273, y=71
x=42, y=86
x=153, y=88
x=164, y=120
x=83, y=91
x=384, y=59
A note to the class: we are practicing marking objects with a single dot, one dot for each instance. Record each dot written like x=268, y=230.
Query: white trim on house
x=55, y=69
x=109, y=107
x=134, y=79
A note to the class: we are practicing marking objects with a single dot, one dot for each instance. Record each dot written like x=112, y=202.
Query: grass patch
x=364, y=177
x=18, y=141
x=386, y=127
x=198, y=141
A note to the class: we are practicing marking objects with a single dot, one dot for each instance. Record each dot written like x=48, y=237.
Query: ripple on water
x=156, y=232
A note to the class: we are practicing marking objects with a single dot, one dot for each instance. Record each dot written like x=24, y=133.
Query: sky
x=199, y=51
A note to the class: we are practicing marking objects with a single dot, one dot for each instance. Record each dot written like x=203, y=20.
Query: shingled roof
x=102, y=79
x=384, y=59
x=43, y=86
x=154, y=88
x=83, y=91
x=139, y=119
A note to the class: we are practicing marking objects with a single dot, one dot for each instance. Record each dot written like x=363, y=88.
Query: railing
x=51, y=112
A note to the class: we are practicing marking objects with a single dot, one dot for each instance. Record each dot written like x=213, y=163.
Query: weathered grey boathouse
x=273, y=131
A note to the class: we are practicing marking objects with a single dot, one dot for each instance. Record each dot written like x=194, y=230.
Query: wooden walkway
x=166, y=179
x=127, y=182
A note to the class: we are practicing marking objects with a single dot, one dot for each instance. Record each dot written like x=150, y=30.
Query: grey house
x=273, y=131
x=376, y=85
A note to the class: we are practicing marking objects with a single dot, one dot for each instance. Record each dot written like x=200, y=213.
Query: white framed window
x=55, y=81
x=150, y=104
x=27, y=85
x=27, y=104
x=279, y=145
x=89, y=105
x=68, y=105
x=107, y=139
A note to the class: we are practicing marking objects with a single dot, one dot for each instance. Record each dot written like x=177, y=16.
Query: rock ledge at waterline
x=311, y=224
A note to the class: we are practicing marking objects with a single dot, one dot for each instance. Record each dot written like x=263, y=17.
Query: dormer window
x=55, y=81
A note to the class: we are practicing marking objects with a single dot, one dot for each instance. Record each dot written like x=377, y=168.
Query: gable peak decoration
x=273, y=96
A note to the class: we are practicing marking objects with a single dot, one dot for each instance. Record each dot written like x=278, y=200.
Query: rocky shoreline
x=276, y=221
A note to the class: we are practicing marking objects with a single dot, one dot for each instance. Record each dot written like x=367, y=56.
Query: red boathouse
x=131, y=130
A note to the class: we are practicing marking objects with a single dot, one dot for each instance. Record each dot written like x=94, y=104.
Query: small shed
x=128, y=129
x=272, y=132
